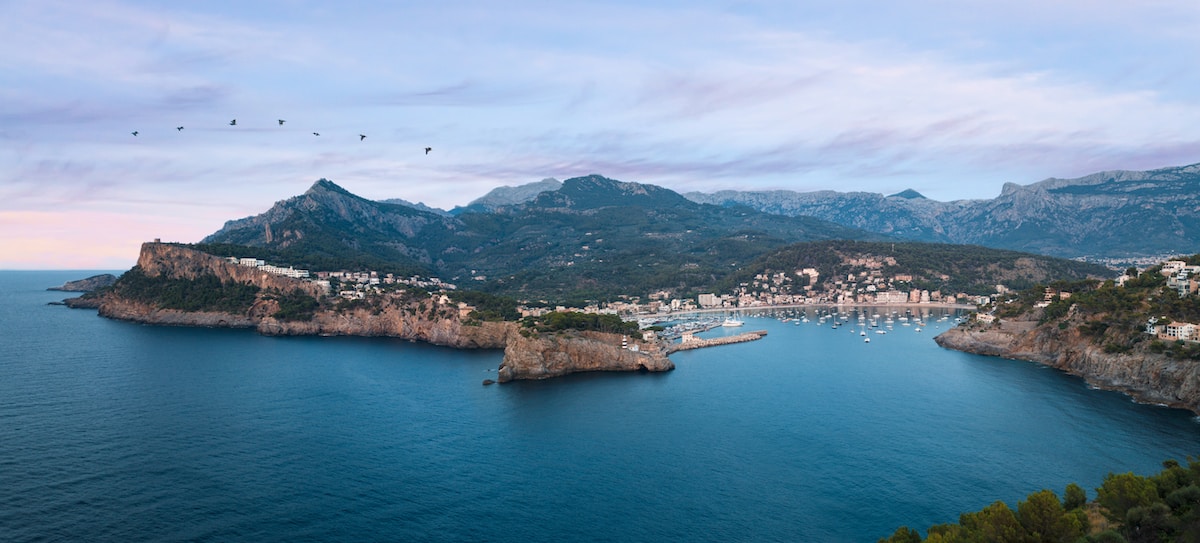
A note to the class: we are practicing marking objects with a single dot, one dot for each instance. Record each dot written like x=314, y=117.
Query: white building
x=1178, y=330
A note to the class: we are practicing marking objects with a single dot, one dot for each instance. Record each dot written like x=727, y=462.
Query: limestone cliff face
x=1147, y=377
x=397, y=322
x=543, y=357
x=162, y=259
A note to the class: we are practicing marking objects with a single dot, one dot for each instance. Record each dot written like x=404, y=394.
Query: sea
x=113, y=431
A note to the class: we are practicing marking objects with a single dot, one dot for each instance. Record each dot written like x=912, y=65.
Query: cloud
x=951, y=98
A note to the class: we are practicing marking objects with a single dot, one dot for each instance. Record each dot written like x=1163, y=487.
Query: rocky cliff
x=553, y=355
x=1147, y=377
x=432, y=319
x=179, y=261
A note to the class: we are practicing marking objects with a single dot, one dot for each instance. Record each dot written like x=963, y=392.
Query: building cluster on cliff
x=1183, y=278
x=351, y=285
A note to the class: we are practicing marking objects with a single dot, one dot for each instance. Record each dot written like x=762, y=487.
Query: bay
x=111, y=431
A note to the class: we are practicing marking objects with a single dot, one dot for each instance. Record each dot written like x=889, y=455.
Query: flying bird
x=233, y=122
x=134, y=133
x=281, y=121
x=179, y=128
x=318, y=134
x=428, y=149
x=361, y=137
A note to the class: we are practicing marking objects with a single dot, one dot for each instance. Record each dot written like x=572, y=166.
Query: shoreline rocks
x=1146, y=377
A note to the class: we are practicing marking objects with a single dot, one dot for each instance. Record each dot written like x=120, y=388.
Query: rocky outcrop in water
x=553, y=355
x=1147, y=377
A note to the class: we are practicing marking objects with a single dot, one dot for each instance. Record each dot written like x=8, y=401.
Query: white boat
x=732, y=322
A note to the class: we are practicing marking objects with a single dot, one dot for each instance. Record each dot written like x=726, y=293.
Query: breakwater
x=691, y=342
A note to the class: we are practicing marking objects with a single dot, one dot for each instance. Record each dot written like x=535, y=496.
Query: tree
x=1044, y=520
x=1148, y=524
x=903, y=534
x=1121, y=492
x=995, y=523
x=1074, y=497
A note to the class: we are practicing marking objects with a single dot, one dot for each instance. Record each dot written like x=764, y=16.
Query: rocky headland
x=89, y=284
x=432, y=318
x=1146, y=377
x=552, y=355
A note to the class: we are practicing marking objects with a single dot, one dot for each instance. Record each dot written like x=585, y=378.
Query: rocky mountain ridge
x=1113, y=214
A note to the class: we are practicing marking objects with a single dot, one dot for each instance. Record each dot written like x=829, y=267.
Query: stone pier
x=691, y=342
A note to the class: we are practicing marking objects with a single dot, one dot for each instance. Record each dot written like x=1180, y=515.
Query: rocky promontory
x=431, y=318
x=552, y=355
x=1145, y=376
x=89, y=284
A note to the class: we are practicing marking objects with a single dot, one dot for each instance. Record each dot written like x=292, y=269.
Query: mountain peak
x=908, y=194
x=323, y=185
x=595, y=191
x=506, y=195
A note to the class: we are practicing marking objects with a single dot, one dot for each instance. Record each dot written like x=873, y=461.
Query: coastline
x=1144, y=377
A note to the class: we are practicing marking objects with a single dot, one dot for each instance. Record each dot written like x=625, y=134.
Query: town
x=802, y=287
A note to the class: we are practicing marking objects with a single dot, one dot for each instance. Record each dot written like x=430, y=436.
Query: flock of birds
x=281, y=121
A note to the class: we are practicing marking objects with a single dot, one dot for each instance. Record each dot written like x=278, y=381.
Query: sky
x=952, y=98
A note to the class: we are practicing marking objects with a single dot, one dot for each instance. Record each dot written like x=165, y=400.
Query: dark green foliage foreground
x=1128, y=508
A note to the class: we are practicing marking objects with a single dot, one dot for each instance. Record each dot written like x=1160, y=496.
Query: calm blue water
x=112, y=431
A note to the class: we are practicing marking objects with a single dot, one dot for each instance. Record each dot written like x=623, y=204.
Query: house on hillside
x=1177, y=331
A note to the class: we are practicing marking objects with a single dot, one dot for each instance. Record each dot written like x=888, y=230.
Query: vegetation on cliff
x=1112, y=316
x=1128, y=508
x=204, y=293
x=558, y=321
x=488, y=307
x=296, y=305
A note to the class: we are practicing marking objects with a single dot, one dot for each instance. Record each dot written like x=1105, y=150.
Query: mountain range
x=1110, y=215
x=595, y=237
x=1107, y=215
x=592, y=236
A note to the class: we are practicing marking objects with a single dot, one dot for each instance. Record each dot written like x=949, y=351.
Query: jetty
x=690, y=341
